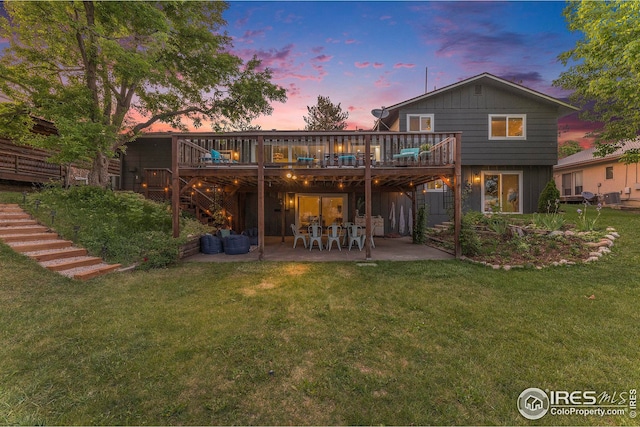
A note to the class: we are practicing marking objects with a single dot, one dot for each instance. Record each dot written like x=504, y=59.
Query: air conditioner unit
x=637, y=185
x=627, y=190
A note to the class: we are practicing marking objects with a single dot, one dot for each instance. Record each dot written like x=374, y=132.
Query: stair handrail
x=202, y=200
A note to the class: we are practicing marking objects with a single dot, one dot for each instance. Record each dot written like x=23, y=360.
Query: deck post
x=457, y=215
x=260, y=198
x=175, y=187
x=367, y=195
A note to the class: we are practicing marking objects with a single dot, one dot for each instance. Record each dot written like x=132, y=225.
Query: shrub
x=549, y=198
x=420, y=226
x=469, y=240
x=121, y=227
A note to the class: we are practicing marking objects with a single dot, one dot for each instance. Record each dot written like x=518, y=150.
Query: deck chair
x=334, y=233
x=297, y=235
x=315, y=235
x=216, y=157
x=356, y=236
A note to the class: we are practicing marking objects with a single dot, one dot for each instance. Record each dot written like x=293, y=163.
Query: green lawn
x=317, y=343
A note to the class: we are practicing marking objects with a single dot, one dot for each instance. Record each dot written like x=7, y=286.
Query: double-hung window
x=507, y=126
x=420, y=122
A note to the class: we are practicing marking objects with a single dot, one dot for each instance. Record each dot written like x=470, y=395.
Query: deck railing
x=23, y=163
x=317, y=149
x=30, y=166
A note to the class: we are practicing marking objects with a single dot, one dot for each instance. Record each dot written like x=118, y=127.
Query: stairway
x=24, y=235
x=445, y=226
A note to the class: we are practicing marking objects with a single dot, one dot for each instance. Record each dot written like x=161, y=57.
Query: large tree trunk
x=99, y=174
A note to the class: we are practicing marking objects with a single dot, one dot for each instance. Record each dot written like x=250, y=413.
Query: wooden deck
x=310, y=162
x=28, y=164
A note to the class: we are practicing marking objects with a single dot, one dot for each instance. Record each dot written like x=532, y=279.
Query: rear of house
x=509, y=141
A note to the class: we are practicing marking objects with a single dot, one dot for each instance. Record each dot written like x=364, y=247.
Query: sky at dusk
x=369, y=54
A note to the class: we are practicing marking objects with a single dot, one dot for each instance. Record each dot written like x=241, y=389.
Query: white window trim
x=500, y=172
x=421, y=116
x=510, y=116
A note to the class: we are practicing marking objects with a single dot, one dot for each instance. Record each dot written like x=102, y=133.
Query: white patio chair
x=297, y=235
x=315, y=235
x=356, y=236
x=335, y=233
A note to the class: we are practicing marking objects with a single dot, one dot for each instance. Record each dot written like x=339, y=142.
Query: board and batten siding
x=149, y=153
x=461, y=109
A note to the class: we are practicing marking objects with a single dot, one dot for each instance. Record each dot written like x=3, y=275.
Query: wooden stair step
x=28, y=237
x=51, y=254
x=85, y=273
x=14, y=215
x=69, y=263
x=22, y=229
x=31, y=246
x=15, y=222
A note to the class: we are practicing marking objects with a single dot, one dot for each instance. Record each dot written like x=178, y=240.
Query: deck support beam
x=260, y=155
x=367, y=196
x=457, y=194
x=175, y=188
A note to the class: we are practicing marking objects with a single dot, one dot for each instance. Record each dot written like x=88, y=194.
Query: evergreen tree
x=325, y=115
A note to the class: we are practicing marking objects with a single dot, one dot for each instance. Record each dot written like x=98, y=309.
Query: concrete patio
x=387, y=249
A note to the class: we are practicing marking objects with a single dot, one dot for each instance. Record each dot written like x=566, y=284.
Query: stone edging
x=599, y=249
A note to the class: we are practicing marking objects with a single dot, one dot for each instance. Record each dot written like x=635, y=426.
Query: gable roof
x=586, y=157
x=564, y=107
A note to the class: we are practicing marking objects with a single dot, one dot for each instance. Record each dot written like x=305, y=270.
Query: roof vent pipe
x=426, y=77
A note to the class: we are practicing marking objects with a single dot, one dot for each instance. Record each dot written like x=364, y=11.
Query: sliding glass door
x=323, y=209
x=501, y=192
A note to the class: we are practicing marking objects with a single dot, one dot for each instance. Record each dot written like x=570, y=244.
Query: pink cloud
x=332, y=41
x=403, y=65
x=322, y=58
x=293, y=90
x=249, y=36
x=378, y=65
x=385, y=17
x=350, y=41
x=362, y=64
x=320, y=70
x=382, y=82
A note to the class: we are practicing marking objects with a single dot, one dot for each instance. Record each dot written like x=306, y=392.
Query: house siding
x=149, y=153
x=461, y=109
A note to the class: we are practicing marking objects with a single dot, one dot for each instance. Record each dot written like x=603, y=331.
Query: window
x=420, y=122
x=437, y=186
x=572, y=184
x=566, y=184
x=608, y=172
x=501, y=191
x=577, y=182
x=511, y=126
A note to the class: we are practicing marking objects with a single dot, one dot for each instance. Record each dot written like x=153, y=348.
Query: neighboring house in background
x=509, y=141
x=613, y=181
